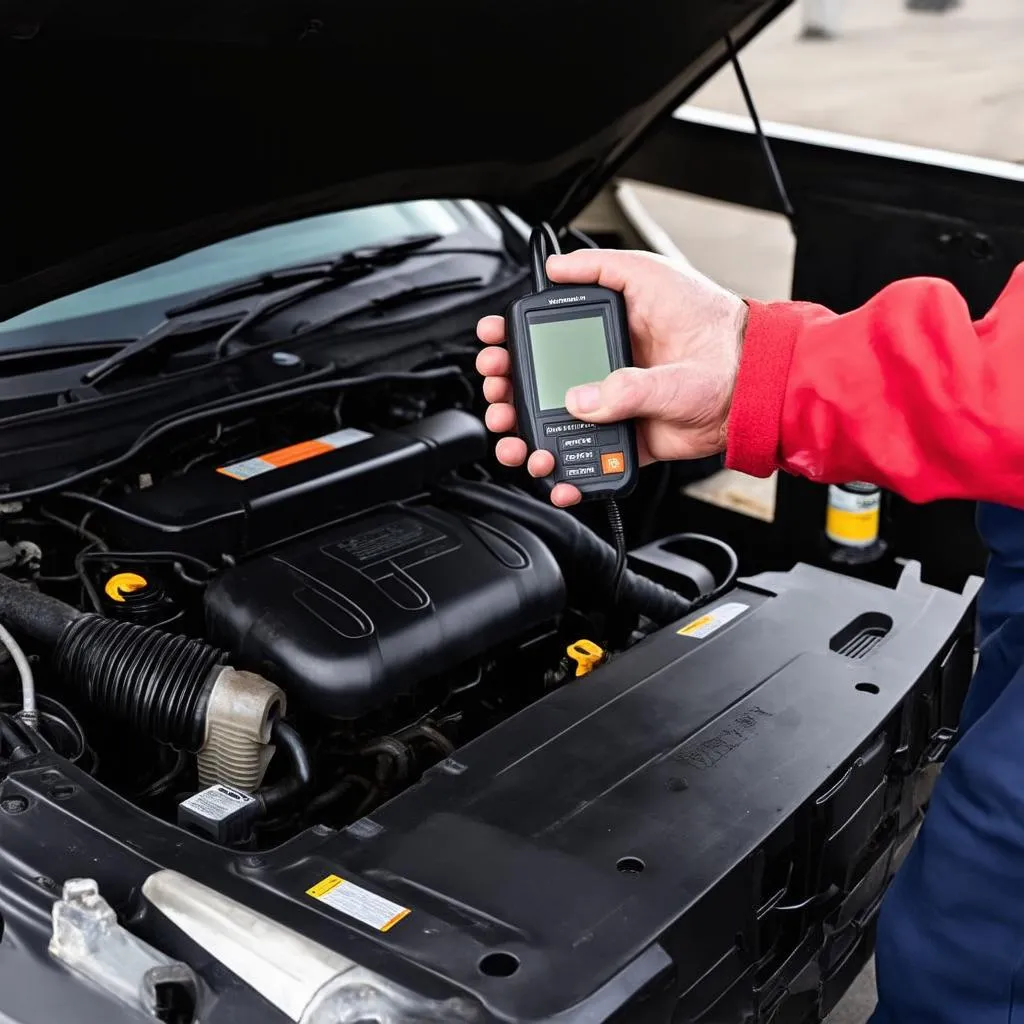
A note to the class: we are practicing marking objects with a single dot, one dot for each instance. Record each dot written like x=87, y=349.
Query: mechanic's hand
x=686, y=333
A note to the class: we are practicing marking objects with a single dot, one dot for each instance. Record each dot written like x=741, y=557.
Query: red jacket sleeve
x=906, y=392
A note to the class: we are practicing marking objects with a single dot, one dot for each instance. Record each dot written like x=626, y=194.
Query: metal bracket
x=88, y=940
x=938, y=745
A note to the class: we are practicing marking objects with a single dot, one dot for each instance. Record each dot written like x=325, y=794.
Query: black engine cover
x=699, y=831
x=354, y=615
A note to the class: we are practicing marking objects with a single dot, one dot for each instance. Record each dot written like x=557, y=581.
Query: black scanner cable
x=543, y=243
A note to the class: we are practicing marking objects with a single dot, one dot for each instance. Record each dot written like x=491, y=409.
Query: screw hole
x=63, y=792
x=981, y=247
x=867, y=688
x=630, y=865
x=499, y=965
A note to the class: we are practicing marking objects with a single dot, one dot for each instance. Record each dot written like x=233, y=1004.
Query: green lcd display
x=567, y=353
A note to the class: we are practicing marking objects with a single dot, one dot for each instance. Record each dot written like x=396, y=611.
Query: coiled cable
x=619, y=542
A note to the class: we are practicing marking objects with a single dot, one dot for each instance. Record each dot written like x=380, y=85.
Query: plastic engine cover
x=356, y=614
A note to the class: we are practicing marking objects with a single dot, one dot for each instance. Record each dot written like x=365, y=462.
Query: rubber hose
x=274, y=798
x=58, y=727
x=155, y=682
x=16, y=742
x=587, y=561
x=34, y=614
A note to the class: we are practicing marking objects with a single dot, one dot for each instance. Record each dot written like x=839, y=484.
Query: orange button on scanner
x=613, y=462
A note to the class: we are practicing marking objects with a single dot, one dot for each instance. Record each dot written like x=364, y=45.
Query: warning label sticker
x=248, y=468
x=218, y=802
x=355, y=901
x=712, y=620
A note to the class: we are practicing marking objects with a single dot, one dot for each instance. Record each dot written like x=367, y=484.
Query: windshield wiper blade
x=396, y=299
x=370, y=257
x=304, y=279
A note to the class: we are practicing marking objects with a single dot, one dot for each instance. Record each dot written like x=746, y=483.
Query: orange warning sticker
x=296, y=453
x=259, y=464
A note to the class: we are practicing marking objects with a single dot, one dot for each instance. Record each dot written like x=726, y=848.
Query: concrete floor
x=952, y=81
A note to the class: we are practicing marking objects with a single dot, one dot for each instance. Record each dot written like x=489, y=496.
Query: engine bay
x=321, y=665
x=306, y=608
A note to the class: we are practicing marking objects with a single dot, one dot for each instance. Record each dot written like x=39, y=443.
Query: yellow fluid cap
x=124, y=583
x=587, y=656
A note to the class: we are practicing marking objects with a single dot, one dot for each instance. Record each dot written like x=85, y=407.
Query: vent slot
x=859, y=638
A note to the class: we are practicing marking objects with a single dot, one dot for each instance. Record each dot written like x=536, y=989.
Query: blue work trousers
x=951, y=929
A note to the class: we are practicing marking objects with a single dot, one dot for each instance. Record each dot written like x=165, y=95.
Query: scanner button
x=569, y=427
x=613, y=462
x=577, y=441
x=572, y=472
x=577, y=455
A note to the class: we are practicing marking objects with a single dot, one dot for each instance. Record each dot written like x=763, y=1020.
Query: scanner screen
x=567, y=353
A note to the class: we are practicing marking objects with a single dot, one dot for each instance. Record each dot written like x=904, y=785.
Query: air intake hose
x=33, y=614
x=588, y=562
x=176, y=689
x=157, y=683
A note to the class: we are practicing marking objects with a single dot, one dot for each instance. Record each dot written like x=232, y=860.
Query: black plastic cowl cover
x=352, y=616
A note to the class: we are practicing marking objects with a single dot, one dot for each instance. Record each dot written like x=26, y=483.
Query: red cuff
x=755, y=417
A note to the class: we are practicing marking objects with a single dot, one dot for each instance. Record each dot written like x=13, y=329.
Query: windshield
x=148, y=292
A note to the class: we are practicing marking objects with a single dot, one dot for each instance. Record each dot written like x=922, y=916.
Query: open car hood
x=135, y=132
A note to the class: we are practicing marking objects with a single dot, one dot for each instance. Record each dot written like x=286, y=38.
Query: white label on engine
x=712, y=621
x=218, y=802
x=256, y=466
x=355, y=901
x=343, y=438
